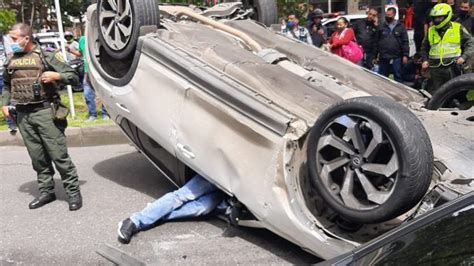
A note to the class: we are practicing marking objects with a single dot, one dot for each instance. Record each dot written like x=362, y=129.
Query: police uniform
x=43, y=135
x=442, y=47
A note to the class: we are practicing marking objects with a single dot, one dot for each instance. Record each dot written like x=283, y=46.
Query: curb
x=77, y=136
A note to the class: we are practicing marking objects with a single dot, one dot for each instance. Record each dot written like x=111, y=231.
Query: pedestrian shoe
x=75, y=202
x=126, y=229
x=13, y=131
x=42, y=200
x=105, y=118
x=91, y=119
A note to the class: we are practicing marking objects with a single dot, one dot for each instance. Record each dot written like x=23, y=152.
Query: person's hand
x=460, y=61
x=405, y=60
x=321, y=31
x=376, y=21
x=425, y=65
x=5, y=111
x=50, y=76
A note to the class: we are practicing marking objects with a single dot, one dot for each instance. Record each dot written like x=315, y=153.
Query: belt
x=33, y=107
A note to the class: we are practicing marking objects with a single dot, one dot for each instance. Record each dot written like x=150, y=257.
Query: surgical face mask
x=463, y=13
x=16, y=47
x=290, y=24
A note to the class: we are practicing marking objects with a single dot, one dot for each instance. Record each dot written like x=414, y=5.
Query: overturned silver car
x=317, y=149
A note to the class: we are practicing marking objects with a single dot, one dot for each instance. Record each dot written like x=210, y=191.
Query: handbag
x=352, y=52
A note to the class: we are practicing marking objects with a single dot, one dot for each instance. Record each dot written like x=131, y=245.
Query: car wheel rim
x=116, y=23
x=357, y=162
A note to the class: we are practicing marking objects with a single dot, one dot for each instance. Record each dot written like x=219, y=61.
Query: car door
x=149, y=106
x=226, y=133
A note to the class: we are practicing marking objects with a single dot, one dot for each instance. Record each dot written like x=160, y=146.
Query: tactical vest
x=24, y=71
x=447, y=47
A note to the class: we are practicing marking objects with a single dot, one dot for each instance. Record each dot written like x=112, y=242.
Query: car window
x=446, y=241
x=330, y=27
x=355, y=20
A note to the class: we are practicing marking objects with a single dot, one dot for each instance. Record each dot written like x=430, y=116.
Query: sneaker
x=13, y=130
x=91, y=119
x=105, y=118
x=126, y=229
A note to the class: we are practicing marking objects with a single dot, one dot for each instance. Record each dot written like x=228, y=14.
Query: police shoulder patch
x=59, y=57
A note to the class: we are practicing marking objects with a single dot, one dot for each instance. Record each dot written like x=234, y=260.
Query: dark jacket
x=467, y=22
x=467, y=46
x=392, y=44
x=366, y=34
x=317, y=38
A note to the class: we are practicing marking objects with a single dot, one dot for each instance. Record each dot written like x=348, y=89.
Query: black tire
x=401, y=134
x=142, y=13
x=453, y=94
x=266, y=11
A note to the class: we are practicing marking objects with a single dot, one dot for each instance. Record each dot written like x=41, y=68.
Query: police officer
x=30, y=83
x=446, y=46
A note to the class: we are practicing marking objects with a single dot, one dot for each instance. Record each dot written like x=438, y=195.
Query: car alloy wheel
x=357, y=161
x=116, y=23
x=369, y=158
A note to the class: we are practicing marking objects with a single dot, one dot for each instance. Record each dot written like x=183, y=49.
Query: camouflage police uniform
x=43, y=135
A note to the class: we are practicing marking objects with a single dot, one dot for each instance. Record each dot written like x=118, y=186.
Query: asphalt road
x=116, y=181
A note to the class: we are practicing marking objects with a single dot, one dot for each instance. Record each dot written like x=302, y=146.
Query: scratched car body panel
x=197, y=99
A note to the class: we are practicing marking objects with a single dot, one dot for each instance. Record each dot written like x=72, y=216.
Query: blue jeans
x=197, y=197
x=385, y=68
x=89, y=96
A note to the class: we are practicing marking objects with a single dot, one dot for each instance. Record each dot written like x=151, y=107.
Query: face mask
x=389, y=19
x=16, y=47
x=463, y=13
x=290, y=24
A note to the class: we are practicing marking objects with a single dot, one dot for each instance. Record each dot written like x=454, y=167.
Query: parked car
x=318, y=150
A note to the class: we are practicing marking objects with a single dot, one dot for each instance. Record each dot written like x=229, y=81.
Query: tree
x=7, y=19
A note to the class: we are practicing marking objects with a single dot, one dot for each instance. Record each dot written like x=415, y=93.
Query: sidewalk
x=77, y=136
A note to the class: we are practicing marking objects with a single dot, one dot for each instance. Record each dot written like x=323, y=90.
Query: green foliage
x=7, y=19
x=298, y=7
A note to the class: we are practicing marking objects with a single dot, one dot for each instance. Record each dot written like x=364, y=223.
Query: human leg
x=40, y=160
x=397, y=69
x=384, y=68
x=201, y=206
x=369, y=58
x=193, y=189
x=439, y=76
x=89, y=96
x=39, y=156
x=54, y=141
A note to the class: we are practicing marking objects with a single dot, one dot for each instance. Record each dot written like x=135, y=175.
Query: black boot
x=75, y=202
x=42, y=200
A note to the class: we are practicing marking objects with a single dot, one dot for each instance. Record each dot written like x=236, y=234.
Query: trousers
x=46, y=144
x=197, y=197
